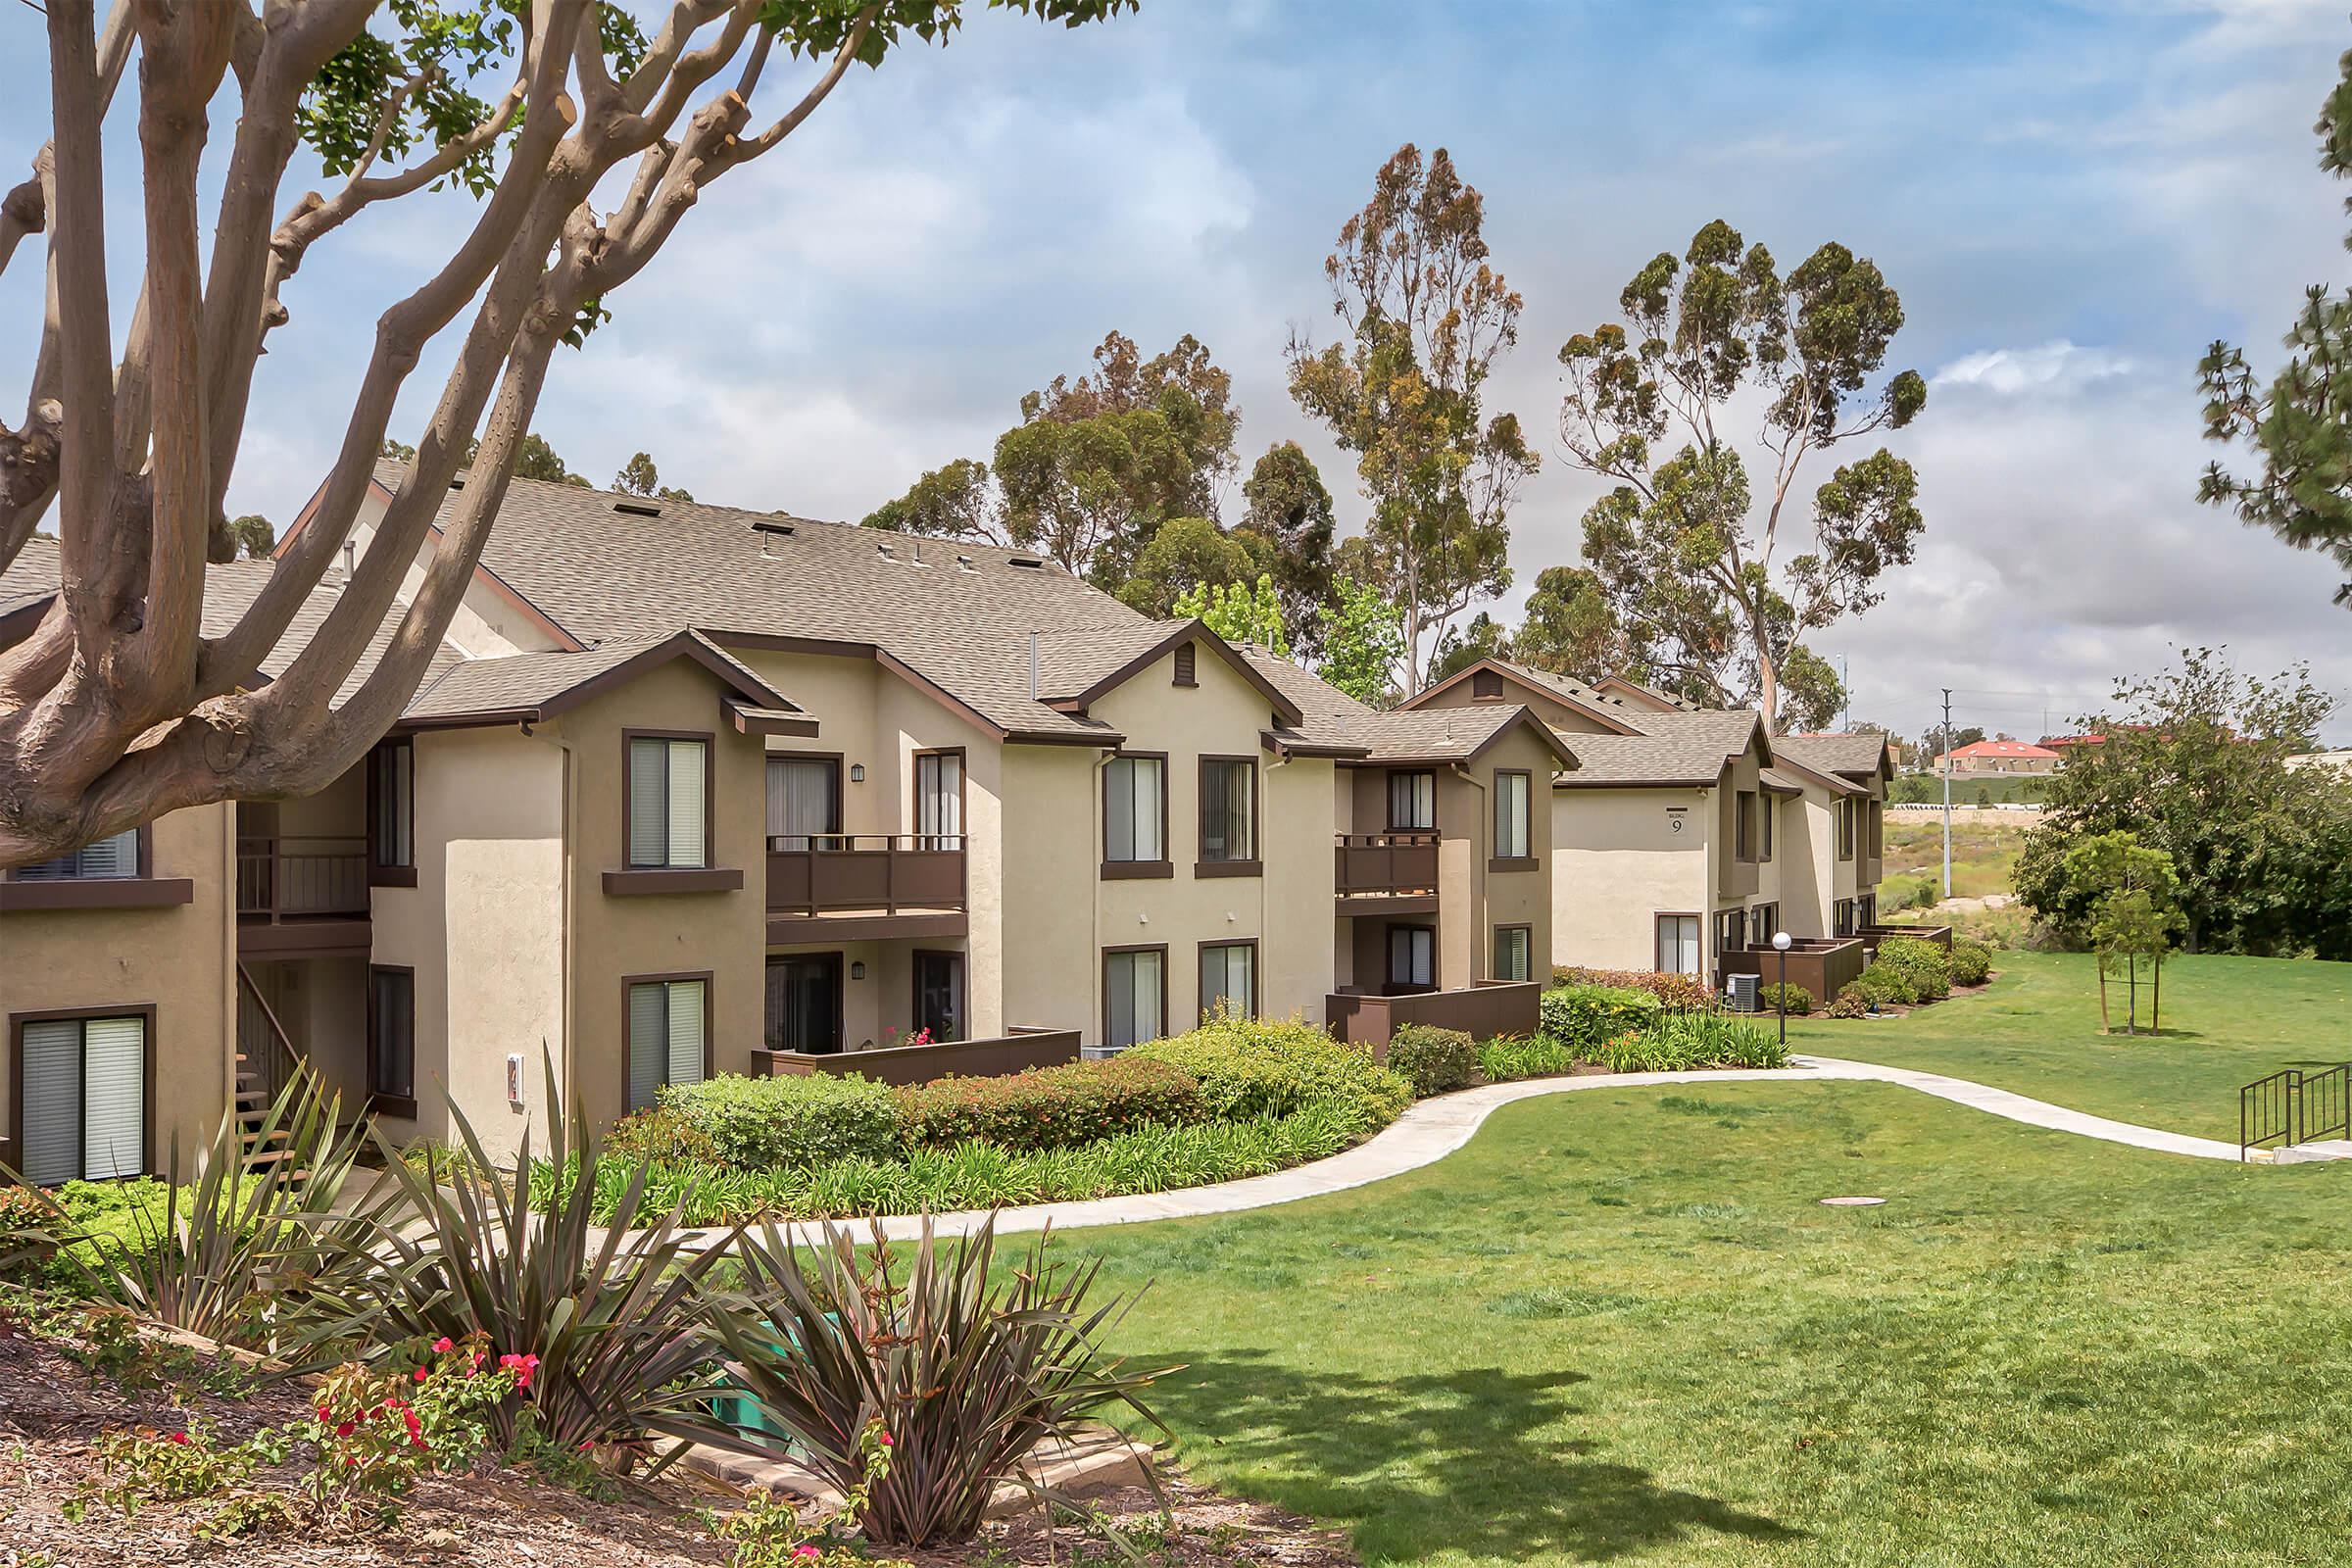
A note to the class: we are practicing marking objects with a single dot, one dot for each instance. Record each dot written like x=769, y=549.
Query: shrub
x=1582, y=1017
x=770, y=1122
x=661, y=1132
x=1685, y=1041
x=971, y=1368
x=1921, y=965
x=1671, y=990
x=1881, y=985
x=1848, y=1002
x=1051, y=1108
x=1970, y=961
x=1433, y=1060
x=1510, y=1057
x=1250, y=1067
x=1793, y=996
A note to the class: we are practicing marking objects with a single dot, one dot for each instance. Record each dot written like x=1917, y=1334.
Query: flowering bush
x=380, y=1429
x=1671, y=990
x=1052, y=1108
x=148, y=1465
x=768, y=1532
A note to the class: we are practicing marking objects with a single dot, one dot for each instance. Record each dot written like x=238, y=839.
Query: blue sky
x=2073, y=201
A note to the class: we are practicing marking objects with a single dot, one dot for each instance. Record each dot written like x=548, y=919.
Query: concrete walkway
x=1435, y=1128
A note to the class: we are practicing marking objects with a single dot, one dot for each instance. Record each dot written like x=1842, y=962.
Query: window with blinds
x=1228, y=802
x=114, y=857
x=1511, y=958
x=1134, y=793
x=1412, y=956
x=804, y=801
x=392, y=804
x=1413, y=802
x=1134, y=996
x=1678, y=944
x=1510, y=817
x=669, y=789
x=85, y=1110
x=1229, y=979
x=939, y=799
x=392, y=1034
x=665, y=1037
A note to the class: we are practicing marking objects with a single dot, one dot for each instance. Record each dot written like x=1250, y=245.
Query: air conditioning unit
x=1099, y=1052
x=1739, y=990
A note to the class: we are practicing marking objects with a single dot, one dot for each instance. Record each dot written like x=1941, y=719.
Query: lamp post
x=1780, y=942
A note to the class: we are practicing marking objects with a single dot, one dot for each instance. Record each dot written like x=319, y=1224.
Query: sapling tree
x=2132, y=895
x=1240, y=613
x=115, y=706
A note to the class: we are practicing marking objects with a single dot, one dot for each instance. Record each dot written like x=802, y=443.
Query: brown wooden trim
x=784, y=930
x=1257, y=818
x=710, y=1016
x=1526, y=799
x=1374, y=906
x=1614, y=724
x=748, y=719
x=1256, y=974
x=1388, y=787
x=1514, y=862
x=629, y=737
x=1160, y=948
x=1190, y=631
x=648, y=880
x=1299, y=746
x=914, y=984
x=142, y=842
x=99, y=892
x=1528, y=926
x=726, y=670
x=143, y=1010
x=838, y=760
x=1129, y=870
x=382, y=873
x=403, y=1106
x=325, y=938
x=1543, y=733
x=841, y=986
x=830, y=648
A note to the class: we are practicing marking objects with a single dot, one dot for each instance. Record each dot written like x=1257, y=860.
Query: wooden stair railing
x=266, y=1062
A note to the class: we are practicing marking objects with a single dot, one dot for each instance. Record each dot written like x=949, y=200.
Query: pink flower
x=884, y=1440
x=803, y=1554
x=323, y=1415
x=343, y=1429
x=444, y=1344
x=178, y=1437
x=423, y=1373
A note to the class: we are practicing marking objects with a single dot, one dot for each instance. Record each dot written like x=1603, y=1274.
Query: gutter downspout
x=1099, y=1007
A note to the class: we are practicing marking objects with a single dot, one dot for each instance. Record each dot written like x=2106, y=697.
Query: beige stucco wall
x=1618, y=863
x=1806, y=852
x=178, y=957
x=1049, y=885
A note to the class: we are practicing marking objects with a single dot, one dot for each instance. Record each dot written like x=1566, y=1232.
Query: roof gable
x=1570, y=694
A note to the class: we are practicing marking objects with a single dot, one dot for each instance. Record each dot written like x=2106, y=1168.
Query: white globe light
x=1779, y=940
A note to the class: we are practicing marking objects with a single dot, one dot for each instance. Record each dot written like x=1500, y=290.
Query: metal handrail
x=2282, y=1109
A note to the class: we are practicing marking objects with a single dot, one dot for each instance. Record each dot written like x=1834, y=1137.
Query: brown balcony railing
x=302, y=878
x=1374, y=865
x=838, y=873
x=1483, y=1010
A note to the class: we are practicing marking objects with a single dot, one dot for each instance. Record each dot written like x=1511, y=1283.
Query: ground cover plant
x=1619, y=1326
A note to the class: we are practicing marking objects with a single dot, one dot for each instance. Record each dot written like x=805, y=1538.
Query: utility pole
x=1846, y=721
x=1948, y=792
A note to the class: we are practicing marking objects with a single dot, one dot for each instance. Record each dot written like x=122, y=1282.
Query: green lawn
x=1618, y=1327
x=2036, y=1030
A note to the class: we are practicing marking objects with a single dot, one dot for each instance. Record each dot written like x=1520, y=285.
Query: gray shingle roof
x=536, y=682
x=1333, y=719
x=1849, y=755
x=1673, y=748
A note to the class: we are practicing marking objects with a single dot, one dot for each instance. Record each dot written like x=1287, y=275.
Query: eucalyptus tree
x=1684, y=542
x=115, y=706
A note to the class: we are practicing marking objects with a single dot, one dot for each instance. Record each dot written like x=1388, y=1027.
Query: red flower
x=178, y=1437
x=323, y=1415
x=423, y=1373
x=343, y=1429
x=415, y=1427
x=884, y=1440
x=444, y=1344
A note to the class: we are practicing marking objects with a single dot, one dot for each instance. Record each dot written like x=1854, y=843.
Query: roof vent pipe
x=1033, y=667
x=351, y=557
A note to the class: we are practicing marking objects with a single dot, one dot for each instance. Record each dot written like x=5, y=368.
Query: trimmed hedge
x=1796, y=998
x=1970, y=961
x=1433, y=1060
x=773, y=1123
x=1052, y=1108
x=1582, y=1017
x=1671, y=989
x=1921, y=965
x=1255, y=1067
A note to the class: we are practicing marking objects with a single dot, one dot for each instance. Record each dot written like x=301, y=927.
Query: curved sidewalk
x=1435, y=1128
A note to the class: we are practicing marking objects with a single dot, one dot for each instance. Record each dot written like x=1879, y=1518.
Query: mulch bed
x=53, y=1411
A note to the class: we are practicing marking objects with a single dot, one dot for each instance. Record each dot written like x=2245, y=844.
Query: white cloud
x=2054, y=367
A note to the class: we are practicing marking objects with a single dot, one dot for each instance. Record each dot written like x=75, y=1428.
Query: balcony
x=302, y=897
x=853, y=885
x=1385, y=873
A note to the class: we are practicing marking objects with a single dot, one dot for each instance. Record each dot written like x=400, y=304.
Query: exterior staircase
x=267, y=1062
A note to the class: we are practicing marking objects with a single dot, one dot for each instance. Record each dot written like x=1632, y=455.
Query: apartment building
x=1683, y=834
x=692, y=789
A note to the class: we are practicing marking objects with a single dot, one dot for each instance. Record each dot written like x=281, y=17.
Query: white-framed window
x=1510, y=817
x=1135, y=810
x=1135, y=1005
x=1413, y=956
x=667, y=1036
x=116, y=855
x=85, y=1088
x=1229, y=978
x=669, y=783
x=1413, y=802
x=1514, y=960
x=1678, y=944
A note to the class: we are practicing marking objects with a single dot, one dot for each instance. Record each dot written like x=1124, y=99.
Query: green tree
x=1095, y=465
x=1362, y=639
x=1425, y=319
x=536, y=460
x=1184, y=555
x=639, y=477
x=2195, y=764
x=2300, y=427
x=1460, y=647
x=1289, y=514
x=250, y=536
x=1811, y=694
x=1569, y=627
x=1686, y=566
x=588, y=143
x=2132, y=896
x=1240, y=613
